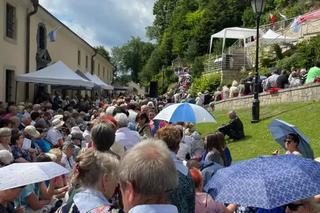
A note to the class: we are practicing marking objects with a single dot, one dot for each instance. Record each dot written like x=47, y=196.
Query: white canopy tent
x=232, y=33
x=55, y=74
x=271, y=37
x=97, y=81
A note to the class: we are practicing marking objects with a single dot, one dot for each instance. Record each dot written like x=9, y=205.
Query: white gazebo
x=232, y=33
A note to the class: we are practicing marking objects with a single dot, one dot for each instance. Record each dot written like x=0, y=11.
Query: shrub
x=208, y=82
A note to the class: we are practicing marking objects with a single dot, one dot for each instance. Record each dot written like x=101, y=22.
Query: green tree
x=102, y=51
x=131, y=57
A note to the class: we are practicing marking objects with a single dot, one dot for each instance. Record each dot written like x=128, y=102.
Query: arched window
x=42, y=37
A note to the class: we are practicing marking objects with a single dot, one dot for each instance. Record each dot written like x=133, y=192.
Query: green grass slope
x=305, y=116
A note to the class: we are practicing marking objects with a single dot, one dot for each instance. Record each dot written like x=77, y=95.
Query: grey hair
x=122, y=119
x=5, y=131
x=148, y=166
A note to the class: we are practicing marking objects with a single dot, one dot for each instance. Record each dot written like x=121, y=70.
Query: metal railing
x=234, y=61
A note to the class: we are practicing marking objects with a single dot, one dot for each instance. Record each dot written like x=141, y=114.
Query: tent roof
x=272, y=37
x=235, y=33
x=82, y=75
x=96, y=80
x=55, y=74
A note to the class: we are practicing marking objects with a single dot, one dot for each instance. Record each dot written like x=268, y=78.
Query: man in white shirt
x=124, y=135
x=147, y=174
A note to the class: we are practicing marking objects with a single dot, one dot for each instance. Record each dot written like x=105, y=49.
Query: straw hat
x=57, y=123
x=32, y=131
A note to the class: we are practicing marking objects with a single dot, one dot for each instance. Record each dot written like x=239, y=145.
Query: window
x=11, y=26
x=104, y=73
x=9, y=87
x=42, y=36
x=99, y=70
x=79, y=57
x=87, y=62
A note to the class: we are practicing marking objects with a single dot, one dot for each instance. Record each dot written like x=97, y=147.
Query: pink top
x=205, y=204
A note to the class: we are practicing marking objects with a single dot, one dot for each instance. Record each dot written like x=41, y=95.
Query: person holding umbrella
x=290, y=138
x=292, y=143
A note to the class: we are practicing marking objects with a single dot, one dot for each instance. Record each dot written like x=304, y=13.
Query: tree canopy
x=183, y=28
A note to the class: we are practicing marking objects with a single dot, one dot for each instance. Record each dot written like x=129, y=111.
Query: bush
x=208, y=82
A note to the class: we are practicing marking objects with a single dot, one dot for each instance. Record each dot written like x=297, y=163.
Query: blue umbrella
x=185, y=112
x=280, y=129
x=266, y=182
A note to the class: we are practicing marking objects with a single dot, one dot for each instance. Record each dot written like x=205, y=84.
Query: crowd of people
x=119, y=158
x=276, y=80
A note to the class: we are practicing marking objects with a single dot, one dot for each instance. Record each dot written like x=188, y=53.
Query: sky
x=109, y=23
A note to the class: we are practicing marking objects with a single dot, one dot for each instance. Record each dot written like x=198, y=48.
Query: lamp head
x=258, y=6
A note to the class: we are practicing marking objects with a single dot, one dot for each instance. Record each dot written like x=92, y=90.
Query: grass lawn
x=305, y=116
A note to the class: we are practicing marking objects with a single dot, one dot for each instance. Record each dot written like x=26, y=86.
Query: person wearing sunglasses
x=291, y=144
x=303, y=206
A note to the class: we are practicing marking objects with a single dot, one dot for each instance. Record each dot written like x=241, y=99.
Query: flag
x=283, y=16
x=52, y=35
x=295, y=25
x=273, y=19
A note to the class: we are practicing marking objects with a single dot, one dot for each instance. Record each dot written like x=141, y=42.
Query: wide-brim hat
x=57, y=123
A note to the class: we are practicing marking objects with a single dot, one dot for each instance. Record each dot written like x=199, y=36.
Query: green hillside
x=258, y=141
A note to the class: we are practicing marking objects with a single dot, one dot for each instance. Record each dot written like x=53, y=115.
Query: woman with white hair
x=5, y=138
x=234, y=90
x=95, y=175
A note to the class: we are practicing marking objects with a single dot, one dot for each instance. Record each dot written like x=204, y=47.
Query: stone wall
x=304, y=93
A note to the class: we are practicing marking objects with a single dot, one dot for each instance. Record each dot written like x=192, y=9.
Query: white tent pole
x=211, y=38
x=224, y=41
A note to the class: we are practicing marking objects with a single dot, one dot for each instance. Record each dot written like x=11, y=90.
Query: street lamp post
x=258, y=7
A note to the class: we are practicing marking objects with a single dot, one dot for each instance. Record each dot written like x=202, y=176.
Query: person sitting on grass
x=235, y=127
x=292, y=143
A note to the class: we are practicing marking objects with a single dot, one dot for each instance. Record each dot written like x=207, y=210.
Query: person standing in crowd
x=145, y=192
x=234, y=129
x=313, y=73
x=183, y=196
